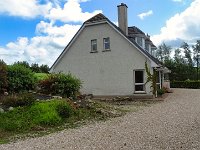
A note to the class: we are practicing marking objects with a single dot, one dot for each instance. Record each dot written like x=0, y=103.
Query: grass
x=42, y=116
x=41, y=76
x=46, y=117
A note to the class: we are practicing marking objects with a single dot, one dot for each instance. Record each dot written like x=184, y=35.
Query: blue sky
x=37, y=30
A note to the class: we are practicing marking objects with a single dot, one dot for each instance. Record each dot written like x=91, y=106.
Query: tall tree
x=177, y=56
x=196, y=51
x=44, y=68
x=163, y=52
x=23, y=63
x=35, y=68
x=188, y=53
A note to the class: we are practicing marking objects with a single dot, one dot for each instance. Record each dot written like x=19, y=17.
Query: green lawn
x=41, y=76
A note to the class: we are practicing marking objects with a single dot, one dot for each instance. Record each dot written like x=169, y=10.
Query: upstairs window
x=94, y=45
x=106, y=43
x=147, y=47
x=139, y=40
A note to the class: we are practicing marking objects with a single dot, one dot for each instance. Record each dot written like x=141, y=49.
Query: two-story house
x=110, y=59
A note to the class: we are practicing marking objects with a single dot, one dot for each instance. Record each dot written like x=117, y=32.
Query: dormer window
x=106, y=43
x=139, y=40
x=94, y=45
x=147, y=47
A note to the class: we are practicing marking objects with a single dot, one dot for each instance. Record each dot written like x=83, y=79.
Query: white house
x=110, y=60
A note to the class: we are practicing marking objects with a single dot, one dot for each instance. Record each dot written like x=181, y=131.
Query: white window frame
x=135, y=84
x=138, y=40
x=159, y=79
x=106, y=42
x=93, y=43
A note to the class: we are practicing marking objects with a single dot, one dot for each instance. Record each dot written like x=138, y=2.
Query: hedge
x=185, y=84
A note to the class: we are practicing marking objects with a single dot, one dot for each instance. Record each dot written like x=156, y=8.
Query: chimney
x=122, y=18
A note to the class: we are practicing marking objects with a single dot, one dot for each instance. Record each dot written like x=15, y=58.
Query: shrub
x=161, y=91
x=25, y=99
x=20, y=78
x=186, y=84
x=3, y=76
x=60, y=84
x=64, y=110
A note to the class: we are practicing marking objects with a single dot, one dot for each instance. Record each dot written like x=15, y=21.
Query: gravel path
x=171, y=125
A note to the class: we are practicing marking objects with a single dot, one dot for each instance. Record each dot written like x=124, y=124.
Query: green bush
x=64, y=110
x=20, y=79
x=15, y=100
x=60, y=84
x=3, y=77
x=185, y=84
x=160, y=91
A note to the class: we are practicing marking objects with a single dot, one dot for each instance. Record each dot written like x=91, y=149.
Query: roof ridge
x=96, y=18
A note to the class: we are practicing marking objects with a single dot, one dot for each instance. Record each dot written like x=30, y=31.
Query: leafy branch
x=151, y=78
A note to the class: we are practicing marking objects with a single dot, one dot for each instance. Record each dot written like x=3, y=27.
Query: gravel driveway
x=171, y=125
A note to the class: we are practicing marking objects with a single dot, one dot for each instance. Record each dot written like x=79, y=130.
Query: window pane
x=94, y=45
x=107, y=45
x=106, y=42
x=139, y=87
x=139, y=77
x=139, y=41
x=157, y=77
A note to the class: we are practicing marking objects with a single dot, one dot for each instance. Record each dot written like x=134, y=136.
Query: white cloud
x=177, y=0
x=145, y=14
x=41, y=49
x=24, y=8
x=50, y=39
x=71, y=12
x=182, y=26
x=52, y=10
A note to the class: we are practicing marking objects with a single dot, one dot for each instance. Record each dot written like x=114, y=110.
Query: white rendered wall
x=103, y=73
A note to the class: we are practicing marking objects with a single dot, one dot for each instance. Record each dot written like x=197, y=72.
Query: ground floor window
x=158, y=80
x=139, y=81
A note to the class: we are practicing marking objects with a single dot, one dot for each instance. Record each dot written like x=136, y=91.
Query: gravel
x=171, y=125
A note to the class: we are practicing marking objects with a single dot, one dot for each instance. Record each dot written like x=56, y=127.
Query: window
x=94, y=45
x=139, y=81
x=106, y=43
x=147, y=47
x=139, y=40
x=158, y=75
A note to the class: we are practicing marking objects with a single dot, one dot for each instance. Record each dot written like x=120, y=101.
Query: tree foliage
x=163, y=52
x=3, y=76
x=182, y=66
x=20, y=78
x=152, y=79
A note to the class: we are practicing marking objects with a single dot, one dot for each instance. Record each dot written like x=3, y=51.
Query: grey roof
x=96, y=18
x=135, y=30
